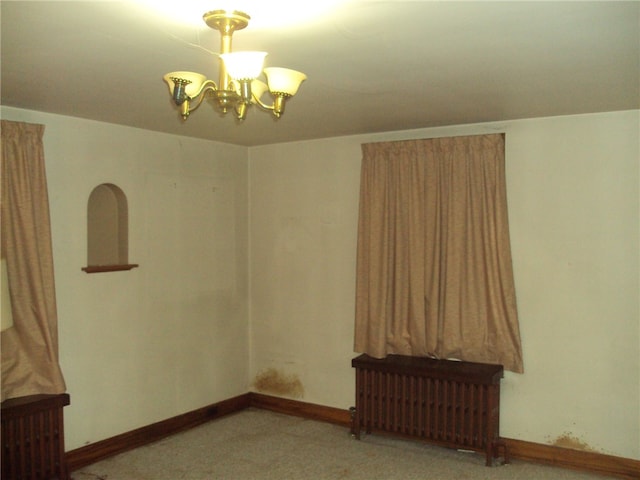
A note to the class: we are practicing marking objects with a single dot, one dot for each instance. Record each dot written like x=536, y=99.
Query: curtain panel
x=434, y=269
x=30, y=346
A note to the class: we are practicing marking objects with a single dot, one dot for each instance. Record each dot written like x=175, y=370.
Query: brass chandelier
x=238, y=85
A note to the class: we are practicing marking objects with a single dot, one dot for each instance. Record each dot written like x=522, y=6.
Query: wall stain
x=279, y=383
x=566, y=440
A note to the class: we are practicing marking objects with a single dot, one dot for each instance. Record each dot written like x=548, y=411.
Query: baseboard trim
x=625, y=468
x=620, y=467
x=594, y=462
x=97, y=451
x=297, y=408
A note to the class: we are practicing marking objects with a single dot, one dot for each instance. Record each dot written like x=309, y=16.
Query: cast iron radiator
x=33, y=438
x=450, y=403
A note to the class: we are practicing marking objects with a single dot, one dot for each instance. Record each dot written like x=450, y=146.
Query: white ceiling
x=372, y=66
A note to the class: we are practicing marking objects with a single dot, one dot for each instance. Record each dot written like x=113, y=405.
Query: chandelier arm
x=198, y=103
x=264, y=106
x=207, y=85
x=279, y=101
x=199, y=97
x=226, y=95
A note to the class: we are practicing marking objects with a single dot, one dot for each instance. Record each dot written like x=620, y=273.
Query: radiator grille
x=32, y=440
x=429, y=400
x=431, y=409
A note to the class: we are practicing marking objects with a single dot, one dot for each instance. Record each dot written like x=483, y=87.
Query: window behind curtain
x=30, y=345
x=434, y=272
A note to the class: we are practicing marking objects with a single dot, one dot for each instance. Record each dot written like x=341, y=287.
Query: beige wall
x=172, y=335
x=574, y=214
x=182, y=331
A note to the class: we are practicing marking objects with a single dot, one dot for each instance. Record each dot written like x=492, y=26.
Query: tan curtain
x=30, y=346
x=434, y=272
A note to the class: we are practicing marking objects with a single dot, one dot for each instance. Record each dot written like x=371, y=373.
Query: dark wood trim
x=301, y=409
x=533, y=452
x=625, y=468
x=574, y=459
x=97, y=451
x=109, y=268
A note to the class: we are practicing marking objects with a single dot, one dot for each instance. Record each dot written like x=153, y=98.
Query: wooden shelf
x=109, y=268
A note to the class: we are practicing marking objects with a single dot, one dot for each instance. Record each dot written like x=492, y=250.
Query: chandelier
x=238, y=85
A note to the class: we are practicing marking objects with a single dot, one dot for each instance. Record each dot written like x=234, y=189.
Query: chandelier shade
x=195, y=81
x=259, y=88
x=284, y=80
x=238, y=85
x=244, y=65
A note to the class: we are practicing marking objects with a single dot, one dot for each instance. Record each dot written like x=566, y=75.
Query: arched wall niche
x=107, y=230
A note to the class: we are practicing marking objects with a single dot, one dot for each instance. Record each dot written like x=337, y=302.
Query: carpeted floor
x=259, y=444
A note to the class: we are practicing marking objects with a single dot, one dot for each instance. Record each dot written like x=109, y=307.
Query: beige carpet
x=258, y=444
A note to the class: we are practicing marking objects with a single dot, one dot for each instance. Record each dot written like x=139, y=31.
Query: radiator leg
x=355, y=423
x=499, y=447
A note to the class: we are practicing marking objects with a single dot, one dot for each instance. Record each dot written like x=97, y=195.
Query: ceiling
x=372, y=66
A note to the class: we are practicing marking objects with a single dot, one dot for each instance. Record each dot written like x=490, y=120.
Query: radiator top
x=472, y=372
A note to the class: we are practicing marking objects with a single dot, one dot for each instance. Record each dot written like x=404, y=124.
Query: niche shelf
x=107, y=230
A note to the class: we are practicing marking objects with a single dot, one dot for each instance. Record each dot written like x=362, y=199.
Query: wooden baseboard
x=625, y=468
x=97, y=451
x=300, y=409
x=621, y=467
x=533, y=452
